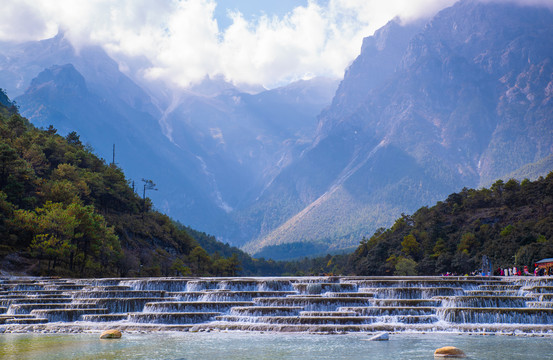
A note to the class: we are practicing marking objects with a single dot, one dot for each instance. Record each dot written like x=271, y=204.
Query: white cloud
x=19, y=21
x=182, y=42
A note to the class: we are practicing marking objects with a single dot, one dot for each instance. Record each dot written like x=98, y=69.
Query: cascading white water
x=326, y=304
x=153, y=284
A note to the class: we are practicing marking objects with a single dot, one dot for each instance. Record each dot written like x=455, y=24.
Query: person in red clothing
x=526, y=272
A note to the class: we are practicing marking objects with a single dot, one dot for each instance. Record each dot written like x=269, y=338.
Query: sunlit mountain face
x=424, y=111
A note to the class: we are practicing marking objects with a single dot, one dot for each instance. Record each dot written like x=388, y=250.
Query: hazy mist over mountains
x=427, y=108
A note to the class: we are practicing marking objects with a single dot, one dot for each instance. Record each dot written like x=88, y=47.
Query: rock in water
x=381, y=336
x=111, y=334
x=449, y=351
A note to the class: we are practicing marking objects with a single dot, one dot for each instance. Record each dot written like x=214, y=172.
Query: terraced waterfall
x=304, y=304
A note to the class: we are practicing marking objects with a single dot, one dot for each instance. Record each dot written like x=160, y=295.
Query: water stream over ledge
x=504, y=305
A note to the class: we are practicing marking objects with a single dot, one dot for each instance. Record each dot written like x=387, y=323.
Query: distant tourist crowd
x=514, y=271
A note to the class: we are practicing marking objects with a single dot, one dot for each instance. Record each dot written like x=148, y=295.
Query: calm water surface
x=238, y=345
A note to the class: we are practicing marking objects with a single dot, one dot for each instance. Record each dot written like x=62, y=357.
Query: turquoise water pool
x=239, y=345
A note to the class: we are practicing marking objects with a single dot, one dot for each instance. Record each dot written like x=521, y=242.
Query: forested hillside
x=64, y=211
x=511, y=223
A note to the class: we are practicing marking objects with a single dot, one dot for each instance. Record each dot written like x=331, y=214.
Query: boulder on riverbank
x=449, y=351
x=111, y=334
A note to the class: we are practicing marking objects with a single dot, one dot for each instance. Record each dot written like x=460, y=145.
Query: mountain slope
x=246, y=139
x=210, y=149
x=531, y=171
x=468, y=100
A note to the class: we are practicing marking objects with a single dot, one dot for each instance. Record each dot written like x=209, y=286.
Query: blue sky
x=252, y=9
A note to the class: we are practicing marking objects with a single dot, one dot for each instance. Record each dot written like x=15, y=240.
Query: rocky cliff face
x=422, y=112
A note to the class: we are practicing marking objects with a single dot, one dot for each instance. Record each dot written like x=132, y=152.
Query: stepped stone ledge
x=318, y=304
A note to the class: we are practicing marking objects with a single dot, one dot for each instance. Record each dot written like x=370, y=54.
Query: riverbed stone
x=449, y=351
x=111, y=334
